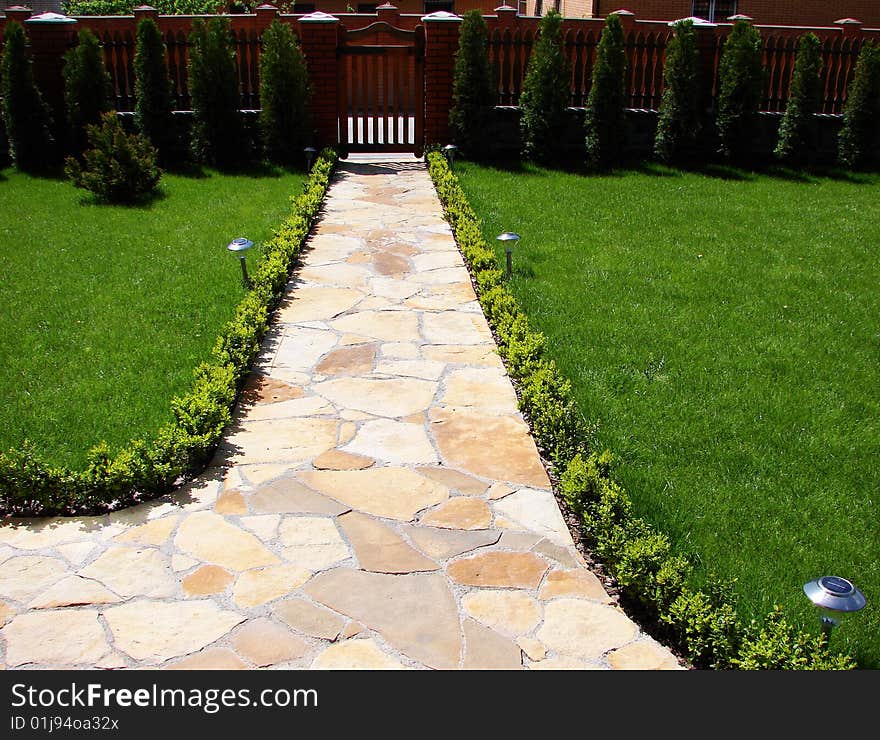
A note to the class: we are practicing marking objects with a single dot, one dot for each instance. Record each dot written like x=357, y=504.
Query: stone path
x=379, y=502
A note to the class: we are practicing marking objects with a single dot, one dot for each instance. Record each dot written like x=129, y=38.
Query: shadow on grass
x=144, y=203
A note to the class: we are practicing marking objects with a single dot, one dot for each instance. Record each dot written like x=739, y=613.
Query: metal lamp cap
x=450, y=148
x=310, y=150
x=835, y=593
x=508, y=236
x=239, y=245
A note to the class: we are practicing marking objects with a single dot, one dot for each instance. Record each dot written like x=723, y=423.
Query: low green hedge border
x=181, y=448
x=702, y=624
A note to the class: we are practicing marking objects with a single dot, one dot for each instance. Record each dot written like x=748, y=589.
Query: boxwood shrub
x=702, y=624
x=180, y=449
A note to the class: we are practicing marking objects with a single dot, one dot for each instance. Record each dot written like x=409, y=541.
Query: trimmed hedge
x=181, y=448
x=702, y=624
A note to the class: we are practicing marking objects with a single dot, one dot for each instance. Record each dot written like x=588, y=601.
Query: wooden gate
x=381, y=105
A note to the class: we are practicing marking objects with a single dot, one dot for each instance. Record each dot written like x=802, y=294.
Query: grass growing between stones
x=107, y=310
x=723, y=333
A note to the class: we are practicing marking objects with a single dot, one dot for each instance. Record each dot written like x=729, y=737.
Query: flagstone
x=310, y=304
x=452, y=327
x=264, y=643
x=393, y=442
x=564, y=663
x=73, y=591
x=463, y=354
x=212, y=539
x=354, y=360
x=386, y=263
x=339, y=460
x=573, y=583
x=230, y=502
x=260, y=388
x=343, y=274
x=395, y=606
x=442, y=276
x=23, y=577
x=537, y=511
x=434, y=260
x=310, y=619
x=453, y=479
x=392, y=289
x=210, y=659
x=392, y=397
x=347, y=430
x=389, y=326
x=378, y=548
x=300, y=348
x=502, y=569
x=257, y=475
x=289, y=496
x=584, y=629
x=258, y=586
x=312, y=542
x=182, y=562
x=460, y=513
x=443, y=544
x=499, y=490
x=353, y=628
x=518, y=540
x=66, y=637
x=324, y=248
x=392, y=493
x=265, y=526
x=487, y=650
x=566, y=555
x=356, y=655
x=207, y=580
x=509, y=612
x=305, y=406
x=533, y=648
x=156, y=631
x=6, y=613
x=484, y=389
x=496, y=447
x=644, y=655
x=293, y=440
x=38, y=534
x=133, y=571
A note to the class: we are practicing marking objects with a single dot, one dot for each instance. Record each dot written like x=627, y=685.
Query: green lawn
x=725, y=333
x=107, y=310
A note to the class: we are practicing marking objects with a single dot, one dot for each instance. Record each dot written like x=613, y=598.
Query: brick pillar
x=144, y=11
x=51, y=35
x=506, y=16
x=17, y=13
x=266, y=13
x=851, y=27
x=319, y=36
x=707, y=43
x=441, y=44
x=389, y=13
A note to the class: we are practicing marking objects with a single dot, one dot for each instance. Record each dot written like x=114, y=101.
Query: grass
x=722, y=329
x=107, y=310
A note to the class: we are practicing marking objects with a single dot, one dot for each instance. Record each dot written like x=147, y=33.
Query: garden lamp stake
x=510, y=239
x=238, y=247
x=833, y=596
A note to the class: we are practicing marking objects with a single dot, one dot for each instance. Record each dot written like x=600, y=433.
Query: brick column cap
x=386, y=6
x=741, y=17
x=443, y=16
x=50, y=18
x=319, y=17
x=145, y=11
x=622, y=11
x=698, y=22
x=847, y=22
x=505, y=9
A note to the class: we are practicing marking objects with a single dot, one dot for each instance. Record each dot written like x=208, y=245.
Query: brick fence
x=511, y=39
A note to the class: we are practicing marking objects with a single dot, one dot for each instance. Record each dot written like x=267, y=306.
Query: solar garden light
x=239, y=247
x=449, y=151
x=510, y=239
x=310, y=153
x=833, y=596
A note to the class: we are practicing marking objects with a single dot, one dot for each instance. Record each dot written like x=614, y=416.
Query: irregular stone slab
x=76, y=552
x=566, y=556
x=395, y=607
x=182, y=562
x=24, y=577
x=37, y=534
x=289, y=496
x=499, y=491
x=231, y=502
x=400, y=351
x=351, y=275
x=389, y=326
x=518, y=540
x=261, y=585
x=434, y=260
x=442, y=276
x=460, y=513
x=259, y=389
x=386, y=263
x=391, y=289
x=151, y=533
x=564, y=663
x=356, y=655
x=326, y=247
x=273, y=440
x=352, y=629
x=389, y=397
x=576, y=583
x=310, y=619
x=313, y=304
x=536, y=511
x=466, y=484
x=297, y=407
x=6, y=613
x=483, y=389
x=503, y=569
x=392, y=493
x=394, y=442
x=210, y=538
x=483, y=355
x=300, y=348
x=73, y=591
x=266, y=643
x=339, y=460
x=265, y=526
x=512, y=613
x=512, y=455
x=452, y=327
x=133, y=571
x=156, y=631
x=378, y=548
x=645, y=655
x=312, y=542
x=55, y=638
x=584, y=629
x=534, y=649
x=257, y=475
x=355, y=360
x=207, y=580
x=424, y=369
x=443, y=544
x=212, y=659
x=486, y=650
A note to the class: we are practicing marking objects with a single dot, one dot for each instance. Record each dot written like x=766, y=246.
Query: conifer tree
x=680, y=121
x=741, y=77
x=86, y=88
x=153, y=106
x=473, y=91
x=605, y=118
x=797, y=131
x=859, y=141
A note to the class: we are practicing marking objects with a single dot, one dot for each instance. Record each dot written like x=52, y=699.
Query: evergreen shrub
x=859, y=141
x=605, y=119
x=473, y=87
x=741, y=85
x=797, y=131
x=153, y=106
x=86, y=88
x=680, y=122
